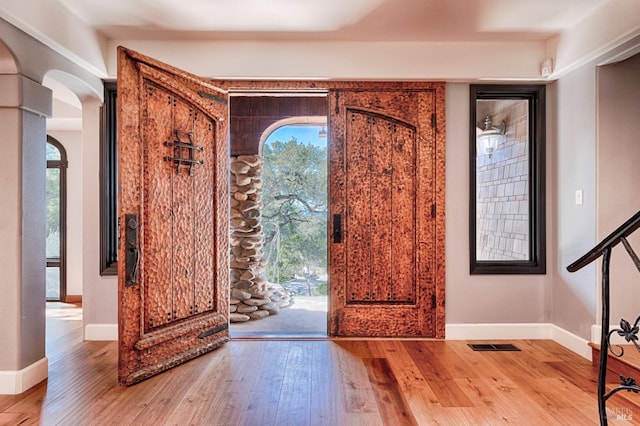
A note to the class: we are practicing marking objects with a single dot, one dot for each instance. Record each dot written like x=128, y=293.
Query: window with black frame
x=507, y=179
x=109, y=183
x=55, y=243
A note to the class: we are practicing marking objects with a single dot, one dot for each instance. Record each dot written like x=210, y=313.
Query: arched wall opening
x=65, y=125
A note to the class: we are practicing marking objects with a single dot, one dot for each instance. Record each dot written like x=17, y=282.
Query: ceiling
x=440, y=40
x=352, y=20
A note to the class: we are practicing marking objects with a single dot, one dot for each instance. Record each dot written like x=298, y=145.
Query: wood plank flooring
x=318, y=382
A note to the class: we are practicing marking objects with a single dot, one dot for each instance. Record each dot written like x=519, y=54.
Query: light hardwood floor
x=317, y=382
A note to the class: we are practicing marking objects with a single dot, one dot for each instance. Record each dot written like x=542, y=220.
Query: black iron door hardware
x=337, y=228
x=180, y=148
x=132, y=250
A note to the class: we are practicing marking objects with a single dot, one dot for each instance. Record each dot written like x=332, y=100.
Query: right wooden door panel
x=384, y=185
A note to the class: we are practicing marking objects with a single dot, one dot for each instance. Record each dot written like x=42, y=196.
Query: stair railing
x=626, y=330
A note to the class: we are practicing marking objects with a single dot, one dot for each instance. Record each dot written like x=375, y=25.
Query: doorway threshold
x=277, y=336
x=305, y=318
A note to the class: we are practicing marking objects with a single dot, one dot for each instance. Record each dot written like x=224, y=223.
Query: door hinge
x=433, y=122
x=433, y=210
x=433, y=301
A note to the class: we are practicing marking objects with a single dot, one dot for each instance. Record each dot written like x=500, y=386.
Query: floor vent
x=493, y=347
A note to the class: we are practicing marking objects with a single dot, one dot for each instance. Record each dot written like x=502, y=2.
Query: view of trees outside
x=295, y=215
x=53, y=213
x=53, y=223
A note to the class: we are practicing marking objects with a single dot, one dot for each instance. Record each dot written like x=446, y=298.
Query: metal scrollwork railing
x=630, y=334
x=627, y=331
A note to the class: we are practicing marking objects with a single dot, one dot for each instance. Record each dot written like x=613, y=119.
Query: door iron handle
x=132, y=256
x=337, y=228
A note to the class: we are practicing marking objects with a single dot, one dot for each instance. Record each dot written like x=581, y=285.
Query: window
x=507, y=181
x=56, y=220
x=109, y=184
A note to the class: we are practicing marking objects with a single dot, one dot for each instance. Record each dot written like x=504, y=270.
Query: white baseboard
x=530, y=331
x=570, y=341
x=15, y=382
x=495, y=331
x=101, y=332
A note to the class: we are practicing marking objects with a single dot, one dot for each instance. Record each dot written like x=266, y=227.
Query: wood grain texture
x=422, y=104
x=387, y=183
x=330, y=382
x=178, y=309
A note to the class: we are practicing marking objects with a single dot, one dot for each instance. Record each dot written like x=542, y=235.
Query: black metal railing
x=626, y=330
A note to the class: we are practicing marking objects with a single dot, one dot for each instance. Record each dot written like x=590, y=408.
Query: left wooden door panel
x=173, y=182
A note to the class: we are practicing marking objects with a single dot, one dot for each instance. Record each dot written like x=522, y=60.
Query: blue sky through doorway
x=304, y=134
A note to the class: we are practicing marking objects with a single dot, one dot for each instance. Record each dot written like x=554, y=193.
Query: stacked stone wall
x=251, y=296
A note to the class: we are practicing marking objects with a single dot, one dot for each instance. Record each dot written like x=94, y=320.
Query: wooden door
x=173, y=279
x=386, y=228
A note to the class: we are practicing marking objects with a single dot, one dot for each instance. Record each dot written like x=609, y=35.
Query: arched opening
x=292, y=168
x=66, y=128
x=56, y=216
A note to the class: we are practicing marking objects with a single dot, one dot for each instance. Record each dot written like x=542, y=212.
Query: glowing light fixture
x=491, y=136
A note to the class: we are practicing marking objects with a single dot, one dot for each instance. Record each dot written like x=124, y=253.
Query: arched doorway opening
x=66, y=128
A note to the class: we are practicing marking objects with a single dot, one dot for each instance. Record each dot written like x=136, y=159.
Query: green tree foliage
x=53, y=204
x=53, y=212
x=295, y=209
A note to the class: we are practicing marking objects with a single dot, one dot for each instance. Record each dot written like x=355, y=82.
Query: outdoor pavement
x=305, y=317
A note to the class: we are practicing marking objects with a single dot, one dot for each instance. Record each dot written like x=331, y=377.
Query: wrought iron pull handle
x=132, y=256
x=337, y=228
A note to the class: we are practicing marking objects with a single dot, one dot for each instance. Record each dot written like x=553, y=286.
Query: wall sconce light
x=322, y=133
x=491, y=136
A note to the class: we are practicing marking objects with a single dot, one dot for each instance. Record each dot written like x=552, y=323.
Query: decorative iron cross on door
x=181, y=147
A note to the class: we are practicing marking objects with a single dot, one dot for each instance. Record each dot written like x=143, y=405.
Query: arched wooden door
x=386, y=249
x=173, y=268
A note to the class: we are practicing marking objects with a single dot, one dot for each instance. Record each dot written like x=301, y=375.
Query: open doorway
x=294, y=223
x=64, y=248
x=286, y=273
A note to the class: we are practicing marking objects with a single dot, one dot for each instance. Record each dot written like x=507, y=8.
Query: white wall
x=618, y=168
x=572, y=299
x=100, y=293
x=478, y=298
